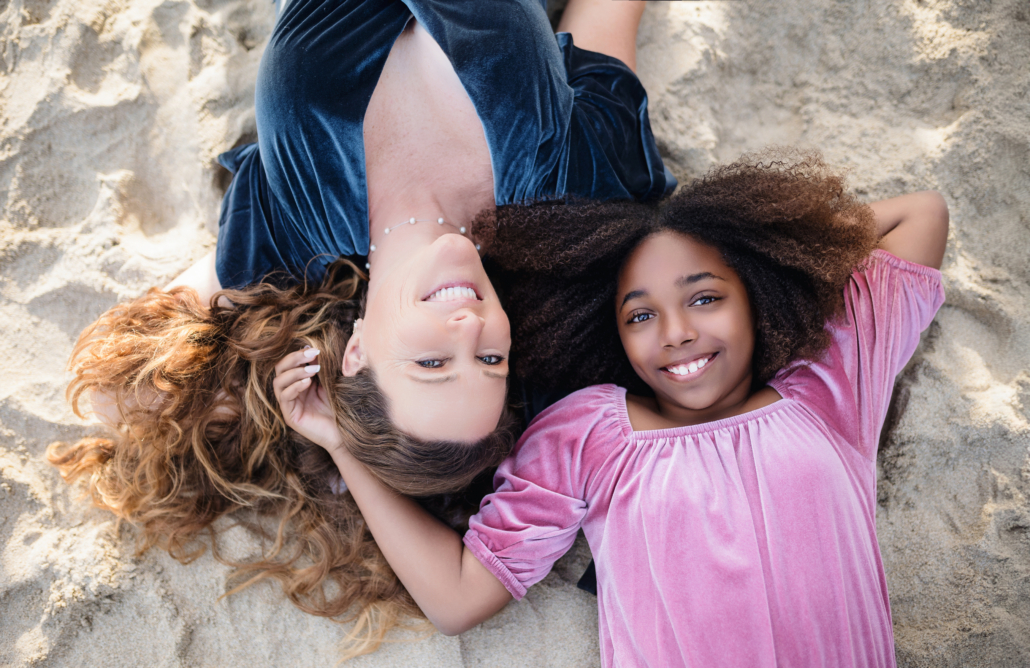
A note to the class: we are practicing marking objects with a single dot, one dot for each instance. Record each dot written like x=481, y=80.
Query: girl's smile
x=688, y=370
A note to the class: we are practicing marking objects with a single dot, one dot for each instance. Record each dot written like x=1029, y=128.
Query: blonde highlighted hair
x=199, y=435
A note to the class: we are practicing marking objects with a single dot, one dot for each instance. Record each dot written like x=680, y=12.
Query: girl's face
x=685, y=321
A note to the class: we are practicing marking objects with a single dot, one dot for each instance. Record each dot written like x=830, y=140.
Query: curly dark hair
x=781, y=219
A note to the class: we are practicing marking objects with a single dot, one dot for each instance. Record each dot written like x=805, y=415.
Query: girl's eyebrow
x=684, y=281
x=632, y=295
x=681, y=282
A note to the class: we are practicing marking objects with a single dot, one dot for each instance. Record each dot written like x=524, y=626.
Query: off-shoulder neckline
x=691, y=430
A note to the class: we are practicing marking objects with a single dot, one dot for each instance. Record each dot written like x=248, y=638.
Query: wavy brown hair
x=781, y=219
x=200, y=436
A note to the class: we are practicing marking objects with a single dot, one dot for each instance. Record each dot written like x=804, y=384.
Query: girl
x=730, y=507
x=383, y=127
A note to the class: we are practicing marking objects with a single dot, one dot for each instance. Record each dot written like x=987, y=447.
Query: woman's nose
x=467, y=323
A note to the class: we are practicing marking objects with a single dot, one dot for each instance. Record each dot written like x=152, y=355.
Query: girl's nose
x=678, y=331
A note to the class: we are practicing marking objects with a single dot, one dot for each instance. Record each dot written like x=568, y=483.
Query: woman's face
x=437, y=339
x=685, y=321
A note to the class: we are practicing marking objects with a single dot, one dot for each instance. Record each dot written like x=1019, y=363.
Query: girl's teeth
x=686, y=369
x=452, y=294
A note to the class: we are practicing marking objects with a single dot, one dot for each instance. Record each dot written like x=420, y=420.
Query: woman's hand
x=446, y=580
x=303, y=401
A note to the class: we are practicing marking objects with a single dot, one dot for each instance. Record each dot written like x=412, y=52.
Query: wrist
x=344, y=460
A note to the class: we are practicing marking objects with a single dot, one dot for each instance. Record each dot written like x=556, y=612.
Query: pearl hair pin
x=412, y=221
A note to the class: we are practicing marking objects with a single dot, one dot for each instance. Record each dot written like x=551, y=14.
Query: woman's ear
x=354, y=355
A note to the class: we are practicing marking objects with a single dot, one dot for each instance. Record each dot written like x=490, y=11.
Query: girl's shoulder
x=593, y=402
x=593, y=413
x=888, y=302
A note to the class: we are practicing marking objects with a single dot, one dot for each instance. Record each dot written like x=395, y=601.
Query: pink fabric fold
x=749, y=541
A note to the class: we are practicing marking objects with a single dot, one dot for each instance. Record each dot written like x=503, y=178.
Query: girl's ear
x=354, y=355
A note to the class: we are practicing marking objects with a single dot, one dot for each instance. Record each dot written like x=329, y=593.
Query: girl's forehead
x=669, y=252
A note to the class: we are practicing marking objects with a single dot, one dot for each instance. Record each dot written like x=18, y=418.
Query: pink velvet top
x=749, y=541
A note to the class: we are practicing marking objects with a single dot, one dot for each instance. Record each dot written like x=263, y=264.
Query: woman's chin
x=452, y=259
x=455, y=249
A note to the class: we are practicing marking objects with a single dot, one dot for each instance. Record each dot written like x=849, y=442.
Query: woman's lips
x=688, y=370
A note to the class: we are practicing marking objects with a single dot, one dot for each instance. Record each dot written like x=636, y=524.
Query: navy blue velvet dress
x=557, y=119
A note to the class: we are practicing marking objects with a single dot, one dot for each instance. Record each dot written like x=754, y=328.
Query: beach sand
x=111, y=115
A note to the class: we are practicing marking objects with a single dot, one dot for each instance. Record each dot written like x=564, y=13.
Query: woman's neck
x=404, y=240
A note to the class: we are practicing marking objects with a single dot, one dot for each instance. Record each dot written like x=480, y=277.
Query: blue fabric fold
x=558, y=120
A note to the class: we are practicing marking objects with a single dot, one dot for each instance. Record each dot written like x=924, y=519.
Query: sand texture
x=111, y=115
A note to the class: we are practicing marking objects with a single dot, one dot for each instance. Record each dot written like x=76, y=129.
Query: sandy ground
x=112, y=111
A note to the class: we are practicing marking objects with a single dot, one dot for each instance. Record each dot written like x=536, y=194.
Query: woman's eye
x=491, y=360
x=430, y=364
x=701, y=301
x=640, y=317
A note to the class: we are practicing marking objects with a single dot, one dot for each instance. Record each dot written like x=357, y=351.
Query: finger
x=292, y=392
x=288, y=377
x=298, y=358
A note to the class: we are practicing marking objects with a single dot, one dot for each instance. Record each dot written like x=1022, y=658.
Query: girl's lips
x=439, y=293
x=682, y=372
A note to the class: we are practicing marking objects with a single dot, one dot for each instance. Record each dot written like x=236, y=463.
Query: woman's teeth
x=687, y=369
x=452, y=295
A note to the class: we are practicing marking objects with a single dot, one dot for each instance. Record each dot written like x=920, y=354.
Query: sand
x=111, y=114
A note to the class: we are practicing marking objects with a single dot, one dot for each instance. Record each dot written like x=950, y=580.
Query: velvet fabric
x=748, y=541
x=557, y=119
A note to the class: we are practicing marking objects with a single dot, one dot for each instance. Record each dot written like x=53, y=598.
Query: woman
x=383, y=128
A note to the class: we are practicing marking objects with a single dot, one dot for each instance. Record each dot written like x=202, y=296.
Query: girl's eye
x=701, y=301
x=640, y=317
x=430, y=364
x=491, y=360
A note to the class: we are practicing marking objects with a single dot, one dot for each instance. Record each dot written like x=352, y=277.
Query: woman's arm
x=604, y=26
x=914, y=227
x=449, y=584
x=201, y=276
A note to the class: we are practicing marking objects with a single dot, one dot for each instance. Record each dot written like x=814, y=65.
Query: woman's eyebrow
x=441, y=379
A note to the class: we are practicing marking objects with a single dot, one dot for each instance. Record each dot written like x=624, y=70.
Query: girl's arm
x=914, y=227
x=449, y=584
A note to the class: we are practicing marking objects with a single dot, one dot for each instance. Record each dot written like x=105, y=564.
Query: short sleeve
x=888, y=304
x=539, y=502
x=613, y=151
x=253, y=243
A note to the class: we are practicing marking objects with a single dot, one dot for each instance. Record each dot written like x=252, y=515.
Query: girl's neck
x=649, y=413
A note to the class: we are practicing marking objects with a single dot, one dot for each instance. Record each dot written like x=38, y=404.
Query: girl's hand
x=303, y=401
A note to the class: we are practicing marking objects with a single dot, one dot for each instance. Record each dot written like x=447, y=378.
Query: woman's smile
x=454, y=291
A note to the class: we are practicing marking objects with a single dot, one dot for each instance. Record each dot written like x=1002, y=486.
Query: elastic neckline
x=690, y=430
x=906, y=265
